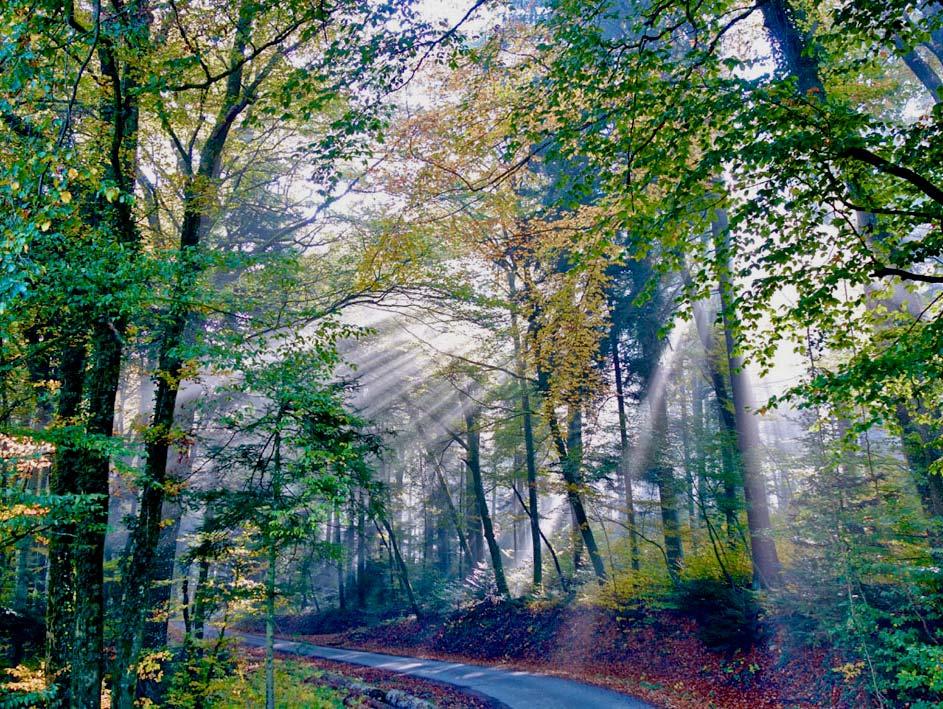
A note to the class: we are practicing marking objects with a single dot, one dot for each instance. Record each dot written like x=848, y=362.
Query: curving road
x=514, y=689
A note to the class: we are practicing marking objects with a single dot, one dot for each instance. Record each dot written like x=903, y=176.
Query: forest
x=576, y=352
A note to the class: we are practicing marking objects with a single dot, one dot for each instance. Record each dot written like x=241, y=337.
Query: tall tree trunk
x=270, y=626
x=136, y=576
x=699, y=439
x=798, y=56
x=473, y=463
x=199, y=596
x=725, y=417
x=925, y=73
x=665, y=480
x=121, y=112
x=403, y=571
x=574, y=446
x=920, y=457
x=528, y=425
x=447, y=497
x=30, y=565
x=361, y=550
x=60, y=585
x=766, y=566
x=341, y=594
x=473, y=531
x=178, y=469
x=687, y=456
x=570, y=463
x=624, y=466
x=89, y=549
x=350, y=549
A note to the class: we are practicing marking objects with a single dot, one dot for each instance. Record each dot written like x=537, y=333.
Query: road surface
x=514, y=689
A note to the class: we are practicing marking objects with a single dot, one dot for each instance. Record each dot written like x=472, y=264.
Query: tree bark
x=121, y=112
x=665, y=480
x=528, y=426
x=473, y=463
x=403, y=571
x=624, y=467
x=570, y=463
x=270, y=626
x=361, y=551
x=766, y=567
x=687, y=457
x=136, y=577
x=699, y=440
x=447, y=497
x=728, y=503
x=341, y=592
x=60, y=584
x=89, y=549
x=165, y=556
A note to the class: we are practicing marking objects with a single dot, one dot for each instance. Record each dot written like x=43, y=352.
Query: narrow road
x=514, y=689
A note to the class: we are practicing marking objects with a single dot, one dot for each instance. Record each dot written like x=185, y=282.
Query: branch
x=905, y=173
x=883, y=271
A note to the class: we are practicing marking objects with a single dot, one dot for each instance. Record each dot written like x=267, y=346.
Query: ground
x=656, y=655
x=309, y=683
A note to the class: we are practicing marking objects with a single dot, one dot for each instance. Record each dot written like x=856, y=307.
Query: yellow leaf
x=72, y=173
x=111, y=194
x=45, y=225
x=65, y=196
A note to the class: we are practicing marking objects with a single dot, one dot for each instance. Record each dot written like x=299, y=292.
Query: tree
x=300, y=453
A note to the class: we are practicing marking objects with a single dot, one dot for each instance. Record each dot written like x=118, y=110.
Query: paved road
x=515, y=689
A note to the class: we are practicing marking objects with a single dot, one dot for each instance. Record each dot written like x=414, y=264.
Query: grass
x=295, y=688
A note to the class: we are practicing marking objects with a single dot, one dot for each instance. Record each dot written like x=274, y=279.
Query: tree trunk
x=361, y=551
x=699, y=442
x=447, y=497
x=665, y=480
x=797, y=57
x=624, y=467
x=553, y=554
x=89, y=549
x=687, y=457
x=270, y=627
x=199, y=597
x=920, y=457
x=473, y=532
x=178, y=468
x=105, y=370
x=570, y=463
x=473, y=463
x=528, y=425
x=725, y=417
x=766, y=566
x=60, y=585
x=403, y=571
x=136, y=577
x=341, y=595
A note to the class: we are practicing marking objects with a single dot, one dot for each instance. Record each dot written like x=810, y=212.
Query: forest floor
x=656, y=655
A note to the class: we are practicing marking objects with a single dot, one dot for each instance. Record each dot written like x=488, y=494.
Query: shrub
x=295, y=686
x=728, y=616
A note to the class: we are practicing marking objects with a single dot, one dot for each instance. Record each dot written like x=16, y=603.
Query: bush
x=728, y=616
x=295, y=686
x=20, y=635
x=25, y=686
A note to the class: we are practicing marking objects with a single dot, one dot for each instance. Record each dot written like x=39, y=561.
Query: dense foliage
x=344, y=309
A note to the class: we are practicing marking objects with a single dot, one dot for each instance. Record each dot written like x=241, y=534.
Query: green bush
x=728, y=616
x=295, y=688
